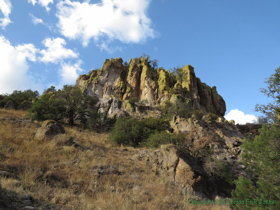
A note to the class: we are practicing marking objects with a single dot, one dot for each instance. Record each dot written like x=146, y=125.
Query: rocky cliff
x=116, y=84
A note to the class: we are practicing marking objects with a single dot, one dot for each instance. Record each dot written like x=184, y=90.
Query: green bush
x=129, y=132
x=159, y=138
x=169, y=109
x=135, y=132
x=155, y=124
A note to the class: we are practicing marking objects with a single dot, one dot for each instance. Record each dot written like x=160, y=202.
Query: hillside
x=91, y=173
x=127, y=136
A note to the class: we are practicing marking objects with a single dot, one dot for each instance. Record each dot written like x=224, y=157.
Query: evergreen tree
x=262, y=158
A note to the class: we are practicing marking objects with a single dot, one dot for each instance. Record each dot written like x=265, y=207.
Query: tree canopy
x=272, y=110
x=68, y=104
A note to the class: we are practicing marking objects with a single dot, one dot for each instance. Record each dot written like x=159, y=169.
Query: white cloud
x=240, y=118
x=104, y=46
x=123, y=20
x=15, y=73
x=43, y=3
x=69, y=72
x=14, y=66
x=28, y=51
x=36, y=20
x=56, y=51
x=32, y=1
x=5, y=8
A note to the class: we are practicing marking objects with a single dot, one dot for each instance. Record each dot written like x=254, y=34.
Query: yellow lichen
x=121, y=86
x=163, y=81
x=186, y=80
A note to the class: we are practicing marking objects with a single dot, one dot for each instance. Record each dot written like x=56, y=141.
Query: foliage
x=99, y=121
x=169, y=109
x=143, y=102
x=134, y=132
x=262, y=155
x=272, y=110
x=20, y=99
x=262, y=158
x=68, y=104
x=217, y=168
x=45, y=108
x=133, y=100
x=155, y=124
x=153, y=63
x=159, y=138
x=128, y=132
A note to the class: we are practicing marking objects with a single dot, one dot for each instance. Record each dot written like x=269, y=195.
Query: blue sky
x=233, y=45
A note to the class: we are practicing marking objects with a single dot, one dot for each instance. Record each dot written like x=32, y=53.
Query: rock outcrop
x=49, y=130
x=209, y=161
x=115, y=84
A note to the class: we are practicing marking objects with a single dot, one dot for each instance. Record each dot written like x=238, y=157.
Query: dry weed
x=70, y=177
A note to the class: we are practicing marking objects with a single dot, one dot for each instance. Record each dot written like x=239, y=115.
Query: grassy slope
x=66, y=176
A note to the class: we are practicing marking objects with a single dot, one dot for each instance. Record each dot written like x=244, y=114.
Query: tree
x=68, y=104
x=272, y=110
x=262, y=157
x=77, y=106
x=20, y=99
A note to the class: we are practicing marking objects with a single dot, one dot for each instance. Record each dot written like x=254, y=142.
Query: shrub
x=133, y=100
x=134, y=132
x=129, y=132
x=168, y=109
x=217, y=167
x=159, y=138
x=155, y=124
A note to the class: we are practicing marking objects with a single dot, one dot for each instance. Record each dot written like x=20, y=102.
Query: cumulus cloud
x=5, y=8
x=43, y=3
x=56, y=51
x=69, y=72
x=28, y=51
x=240, y=117
x=14, y=66
x=122, y=20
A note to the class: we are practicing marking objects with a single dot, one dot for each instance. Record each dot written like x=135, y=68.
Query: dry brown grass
x=66, y=176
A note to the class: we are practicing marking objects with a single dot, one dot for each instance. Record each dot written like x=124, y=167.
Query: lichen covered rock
x=114, y=83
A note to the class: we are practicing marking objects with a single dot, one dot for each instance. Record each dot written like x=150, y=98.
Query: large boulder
x=49, y=130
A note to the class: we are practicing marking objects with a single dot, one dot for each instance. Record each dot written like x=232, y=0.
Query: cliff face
x=115, y=83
